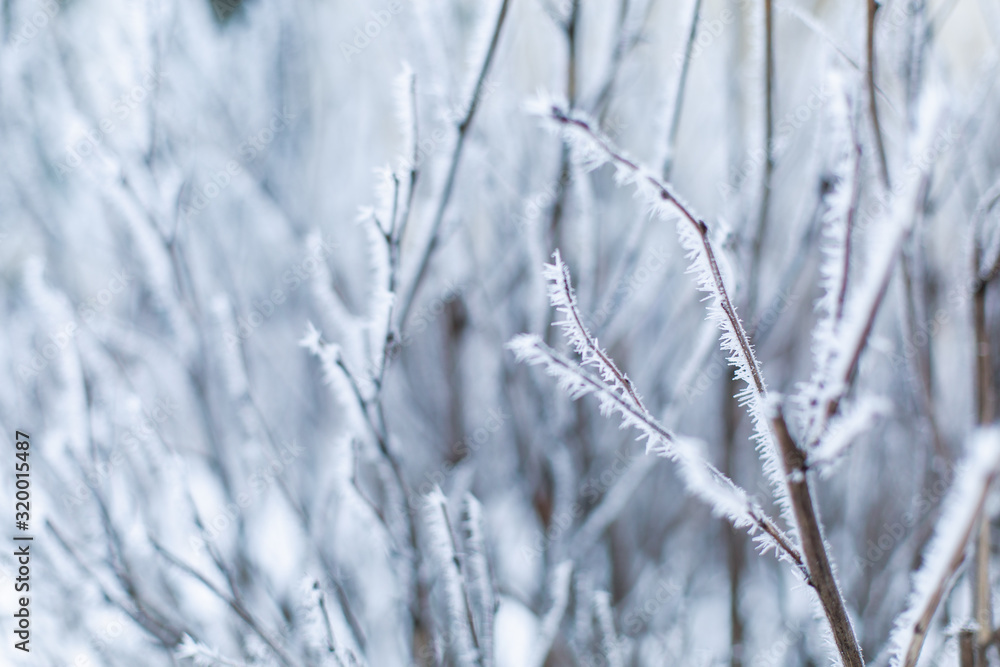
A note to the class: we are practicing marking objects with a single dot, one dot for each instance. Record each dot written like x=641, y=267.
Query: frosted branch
x=946, y=550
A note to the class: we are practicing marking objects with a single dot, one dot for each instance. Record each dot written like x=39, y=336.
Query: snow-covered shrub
x=270, y=271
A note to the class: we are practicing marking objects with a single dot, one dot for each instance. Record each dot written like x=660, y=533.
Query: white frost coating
x=590, y=149
x=834, y=241
x=838, y=202
x=381, y=299
x=702, y=480
x=55, y=311
x=707, y=483
x=844, y=430
x=578, y=382
x=960, y=511
x=476, y=55
x=382, y=213
x=339, y=322
x=313, y=619
x=406, y=114
x=885, y=238
x=328, y=353
x=445, y=559
x=229, y=351
x=611, y=645
x=752, y=398
x=616, y=395
x=480, y=582
x=319, y=621
x=517, y=630
x=563, y=299
x=202, y=655
x=559, y=593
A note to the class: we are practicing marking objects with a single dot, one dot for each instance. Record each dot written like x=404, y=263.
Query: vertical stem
x=983, y=608
x=555, y=222
x=449, y=184
x=813, y=546
x=872, y=107
x=571, y=25
x=985, y=398
x=765, y=197
x=675, y=116
x=966, y=649
x=455, y=325
x=922, y=360
x=985, y=409
x=734, y=541
x=461, y=569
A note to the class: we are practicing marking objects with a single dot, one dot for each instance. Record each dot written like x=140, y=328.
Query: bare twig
x=154, y=624
x=735, y=545
x=678, y=101
x=927, y=613
x=449, y=184
x=985, y=411
x=233, y=603
x=399, y=227
x=983, y=208
x=872, y=106
x=982, y=606
x=571, y=65
x=813, y=24
x=966, y=649
x=623, y=45
x=462, y=569
x=558, y=208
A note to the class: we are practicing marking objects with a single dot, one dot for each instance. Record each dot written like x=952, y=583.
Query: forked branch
x=813, y=546
x=645, y=178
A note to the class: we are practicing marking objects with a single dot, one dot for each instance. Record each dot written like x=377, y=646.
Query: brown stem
x=957, y=557
x=571, y=26
x=983, y=610
x=872, y=107
x=592, y=345
x=985, y=410
x=813, y=547
x=735, y=548
x=985, y=399
x=746, y=349
x=819, y=571
x=640, y=414
x=966, y=649
x=559, y=207
x=833, y=404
